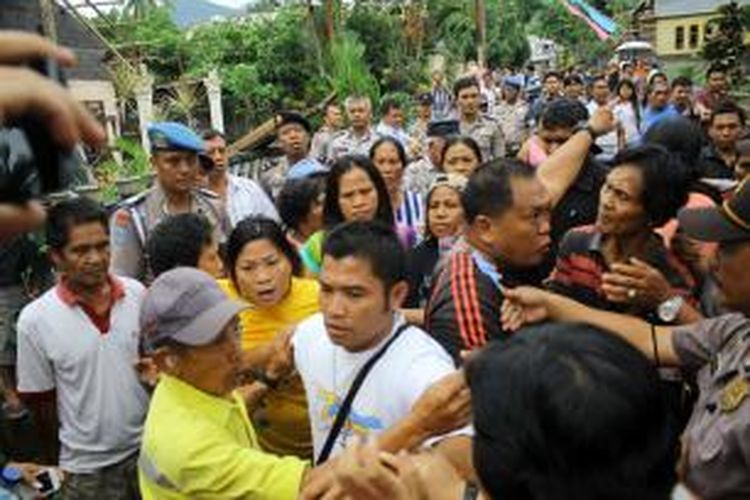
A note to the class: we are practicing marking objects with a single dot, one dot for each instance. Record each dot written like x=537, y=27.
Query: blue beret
x=513, y=81
x=171, y=136
x=305, y=168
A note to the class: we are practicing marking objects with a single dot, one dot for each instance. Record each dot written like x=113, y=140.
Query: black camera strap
x=346, y=405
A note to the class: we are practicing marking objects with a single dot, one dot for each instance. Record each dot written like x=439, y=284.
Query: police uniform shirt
x=419, y=176
x=511, y=118
x=320, y=141
x=488, y=135
x=717, y=439
x=133, y=222
x=347, y=143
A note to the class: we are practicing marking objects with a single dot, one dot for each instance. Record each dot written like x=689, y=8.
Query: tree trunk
x=330, y=7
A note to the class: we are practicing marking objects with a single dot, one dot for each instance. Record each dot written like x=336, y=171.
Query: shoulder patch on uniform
x=208, y=193
x=135, y=199
x=122, y=218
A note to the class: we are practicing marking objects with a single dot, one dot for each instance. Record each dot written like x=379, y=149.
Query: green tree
x=725, y=43
x=140, y=9
x=579, y=43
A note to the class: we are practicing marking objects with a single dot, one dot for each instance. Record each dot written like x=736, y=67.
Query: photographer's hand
x=23, y=91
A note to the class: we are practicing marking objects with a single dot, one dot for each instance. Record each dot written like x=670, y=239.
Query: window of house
x=679, y=37
x=693, y=42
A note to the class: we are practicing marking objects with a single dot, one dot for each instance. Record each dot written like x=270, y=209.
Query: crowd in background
x=537, y=288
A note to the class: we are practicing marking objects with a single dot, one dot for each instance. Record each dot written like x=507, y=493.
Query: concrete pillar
x=144, y=95
x=213, y=89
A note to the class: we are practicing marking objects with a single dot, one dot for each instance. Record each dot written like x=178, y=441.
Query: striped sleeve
x=463, y=312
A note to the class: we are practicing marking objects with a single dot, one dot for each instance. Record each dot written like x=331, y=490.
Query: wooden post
x=330, y=5
x=49, y=25
x=481, y=22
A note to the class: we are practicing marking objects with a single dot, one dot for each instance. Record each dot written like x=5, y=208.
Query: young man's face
x=359, y=114
x=394, y=117
x=659, y=96
x=553, y=138
x=216, y=149
x=681, y=96
x=725, y=130
x=519, y=237
x=600, y=91
x=84, y=261
x=552, y=85
x=424, y=111
x=209, y=260
x=468, y=101
x=357, y=309
x=511, y=92
x=177, y=170
x=717, y=82
x=294, y=140
x=334, y=118
x=574, y=91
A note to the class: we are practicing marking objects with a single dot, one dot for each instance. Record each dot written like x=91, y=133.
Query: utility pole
x=481, y=22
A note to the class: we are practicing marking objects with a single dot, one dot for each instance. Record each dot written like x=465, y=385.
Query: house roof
x=669, y=8
x=26, y=15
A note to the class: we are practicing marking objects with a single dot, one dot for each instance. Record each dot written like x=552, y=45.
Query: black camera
x=48, y=168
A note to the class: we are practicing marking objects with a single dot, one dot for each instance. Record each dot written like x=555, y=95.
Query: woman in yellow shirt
x=264, y=270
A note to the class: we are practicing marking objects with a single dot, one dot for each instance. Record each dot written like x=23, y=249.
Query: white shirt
x=625, y=115
x=101, y=404
x=398, y=133
x=607, y=142
x=245, y=198
x=410, y=365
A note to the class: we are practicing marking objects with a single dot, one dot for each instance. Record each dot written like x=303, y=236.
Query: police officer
x=510, y=114
x=421, y=173
x=716, y=442
x=482, y=128
x=293, y=139
x=360, y=136
x=175, y=151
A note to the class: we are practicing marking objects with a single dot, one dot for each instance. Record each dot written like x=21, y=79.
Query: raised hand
x=636, y=283
x=522, y=306
x=445, y=405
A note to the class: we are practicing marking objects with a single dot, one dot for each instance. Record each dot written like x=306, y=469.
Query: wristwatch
x=670, y=308
x=588, y=128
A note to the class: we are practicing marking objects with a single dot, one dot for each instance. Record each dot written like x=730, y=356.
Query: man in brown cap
x=716, y=350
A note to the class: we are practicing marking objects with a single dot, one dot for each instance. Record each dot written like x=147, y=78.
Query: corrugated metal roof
x=25, y=15
x=664, y=8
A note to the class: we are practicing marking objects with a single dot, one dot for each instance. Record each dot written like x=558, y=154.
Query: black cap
x=726, y=223
x=443, y=128
x=287, y=117
x=425, y=99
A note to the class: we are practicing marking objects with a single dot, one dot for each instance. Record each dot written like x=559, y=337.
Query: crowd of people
x=512, y=297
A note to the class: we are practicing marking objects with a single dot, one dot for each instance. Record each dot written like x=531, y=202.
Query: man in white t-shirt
x=362, y=287
x=76, y=348
x=600, y=98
